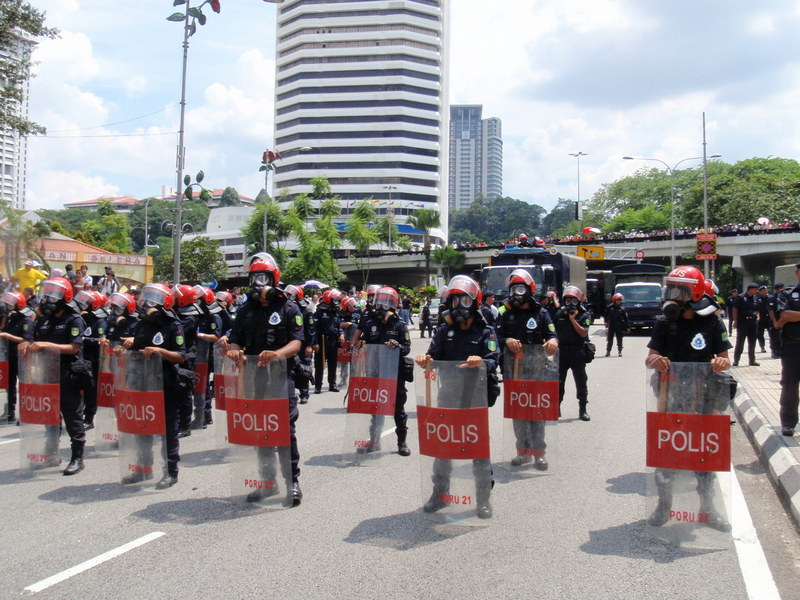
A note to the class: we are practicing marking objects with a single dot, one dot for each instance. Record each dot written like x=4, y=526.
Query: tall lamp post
x=578, y=155
x=671, y=171
x=390, y=210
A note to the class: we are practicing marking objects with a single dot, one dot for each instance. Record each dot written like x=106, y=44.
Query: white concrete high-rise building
x=476, y=156
x=361, y=86
x=14, y=147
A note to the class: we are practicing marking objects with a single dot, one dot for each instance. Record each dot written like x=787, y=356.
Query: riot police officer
x=745, y=321
x=572, y=326
x=209, y=329
x=683, y=334
x=526, y=322
x=789, y=324
x=463, y=336
x=61, y=328
x=616, y=323
x=384, y=326
x=329, y=337
x=774, y=316
x=763, y=316
x=123, y=317
x=92, y=307
x=185, y=298
x=270, y=327
x=18, y=328
x=302, y=378
x=160, y=332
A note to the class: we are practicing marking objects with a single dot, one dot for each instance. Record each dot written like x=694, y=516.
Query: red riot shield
x=689, y=456
x=4, y=380
x=530, y=407
x=371, y=397
x=141, y=419
x=259, y=433
x=200, y=383
x=39, y=408
x=453, y=422
x=226, y=374
x=105, y=421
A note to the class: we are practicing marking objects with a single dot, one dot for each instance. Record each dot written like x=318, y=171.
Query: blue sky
x=608, y=78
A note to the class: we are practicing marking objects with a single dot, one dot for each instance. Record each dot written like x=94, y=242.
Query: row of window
x=349, y=14
x=372, y=149
x=388, y=164
x=334, y=181
x=286, y=9
x=374, y=73
x=357, y=119
x=357, y=104
x=355, y=89
x=344, y=135
x=319, y=60
x=360, y=44
x=358, y=29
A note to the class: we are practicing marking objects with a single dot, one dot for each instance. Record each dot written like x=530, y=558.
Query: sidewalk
x=757, y=408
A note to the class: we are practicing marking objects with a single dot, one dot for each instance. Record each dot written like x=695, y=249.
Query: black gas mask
x=518, y=294
x=676, y=301
x=460, y=308
x=571, y=305
x=261, y=286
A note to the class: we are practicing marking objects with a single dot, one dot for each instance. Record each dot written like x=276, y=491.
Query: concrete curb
x=782, y=466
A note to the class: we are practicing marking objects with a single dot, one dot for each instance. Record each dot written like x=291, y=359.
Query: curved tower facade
x=361, y=89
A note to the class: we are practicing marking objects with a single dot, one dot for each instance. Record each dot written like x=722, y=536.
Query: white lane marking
x=92, y=562
x=755, y=570
x=9, y=441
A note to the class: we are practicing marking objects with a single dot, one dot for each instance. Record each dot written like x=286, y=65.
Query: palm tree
x=426, y=219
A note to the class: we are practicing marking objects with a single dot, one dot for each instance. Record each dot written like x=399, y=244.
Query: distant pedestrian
x=745, y=321
x=730, y=304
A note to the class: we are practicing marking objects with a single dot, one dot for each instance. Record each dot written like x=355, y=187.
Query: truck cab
x=642, y=302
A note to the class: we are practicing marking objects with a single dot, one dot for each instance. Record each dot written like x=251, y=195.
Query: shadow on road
x=93, y=492
x=630, y=483
x=202, y=459
x=340, y=410
x=753, y=468
x=505, y=473
x=405, y=531
x=198, y=511
x=14, y=476
x=630, y=541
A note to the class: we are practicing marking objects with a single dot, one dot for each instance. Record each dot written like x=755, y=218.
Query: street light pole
x=390, y=221
x=578, y=155
x=176, y=263
x=671, y=171
x=146, y=233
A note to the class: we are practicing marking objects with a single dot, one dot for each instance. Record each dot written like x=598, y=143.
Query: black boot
x=75, y=465
x=435, y=502
x=402, y=447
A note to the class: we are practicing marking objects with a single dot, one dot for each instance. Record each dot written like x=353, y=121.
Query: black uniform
x=747, y=327
x=375, y=331
x=689, y=340
x=790, y=358
x=763, y=320
x=211, y=324
x=425, y=323
x=571, y=356
x=18, y=324
x=258, y=328
x=328, y=331
x=617, y=321
x=189, y=323
x=303, y=372
x=730, y=304
x=774, y=332
x=452, y=343
x=530, y=326
x=121, y=327
x=96, y=325
x=165, y=333
x=65, y=329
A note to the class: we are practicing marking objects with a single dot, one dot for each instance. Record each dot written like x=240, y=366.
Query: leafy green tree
x=425, y=220
x=450, y=259
x=108, y=230
x=200, y=260
x=18, y=19
x=160, y=213
x=562, y=215
x=362, y=236
x=230, y=197
x=20, y=238
x=495, y=220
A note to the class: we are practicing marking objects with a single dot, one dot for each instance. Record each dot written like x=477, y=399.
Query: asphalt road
x=575, y=532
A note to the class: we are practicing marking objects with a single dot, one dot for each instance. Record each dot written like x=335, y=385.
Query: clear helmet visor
x=52, y=291
x=461, y=300
x=83, y=299
x=152, y=297
x=260, y=278
x=518, y=289
x=677, y=292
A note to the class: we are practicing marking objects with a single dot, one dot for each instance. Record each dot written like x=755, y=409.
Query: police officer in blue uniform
x=463, y=336
x=302, y=378
x=572, y=326
x=789, y=325
x=689, y=331
x=269, y=326
x=384, y=326
x=160, y=332
x=188, y=312
x=209, y=329
x=763, y=316
x=91, y=305
x=329, y=337
x=745, y=321
x=18, y=328
x=61, y=328
x=524, y=321
x=774, y=314
x=616, y=323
